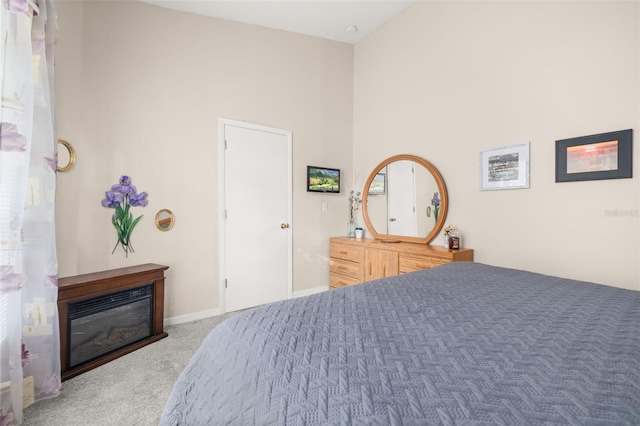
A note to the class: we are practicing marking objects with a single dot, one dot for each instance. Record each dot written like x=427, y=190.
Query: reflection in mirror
x=399, y=202
x=66, y=156
x=405, y=206
x=165, y=220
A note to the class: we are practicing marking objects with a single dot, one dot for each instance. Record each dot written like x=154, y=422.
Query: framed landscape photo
x=323, y=179
x=505, y=168
x=595, y=157
x=378, y=185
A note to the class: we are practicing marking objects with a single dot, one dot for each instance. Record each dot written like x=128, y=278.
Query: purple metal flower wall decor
x=122, y=197
x=435, y=202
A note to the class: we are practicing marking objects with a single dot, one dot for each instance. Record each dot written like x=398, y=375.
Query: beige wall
x=139, y=92
x=140, y=88
x=447, y=80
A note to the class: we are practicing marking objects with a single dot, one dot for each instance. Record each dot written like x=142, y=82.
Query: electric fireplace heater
x=105, y=315
x=106, y=323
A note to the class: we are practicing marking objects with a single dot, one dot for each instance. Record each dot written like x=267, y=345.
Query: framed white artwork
x=505, y=168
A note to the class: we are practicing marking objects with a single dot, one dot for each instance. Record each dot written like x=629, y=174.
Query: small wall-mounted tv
x=323, y=179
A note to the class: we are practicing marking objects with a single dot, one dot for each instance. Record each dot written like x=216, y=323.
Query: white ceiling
x=323, y=18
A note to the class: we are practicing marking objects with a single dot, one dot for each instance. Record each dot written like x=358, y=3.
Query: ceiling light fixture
x=351, y=29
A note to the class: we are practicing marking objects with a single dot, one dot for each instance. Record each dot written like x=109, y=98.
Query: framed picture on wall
x=505, y=168
x=323, y=179
x=595, y=157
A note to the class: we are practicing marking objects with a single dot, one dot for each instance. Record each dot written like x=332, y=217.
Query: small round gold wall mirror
x=165, y=219
x=66, y=156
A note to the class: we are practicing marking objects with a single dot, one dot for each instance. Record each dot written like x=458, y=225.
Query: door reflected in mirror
x=398, y=201
x=165, y=219
x=404, y=208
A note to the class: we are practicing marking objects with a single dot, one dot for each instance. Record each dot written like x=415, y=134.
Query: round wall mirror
x=66, y=156
x=165, y=219
x=405, y=199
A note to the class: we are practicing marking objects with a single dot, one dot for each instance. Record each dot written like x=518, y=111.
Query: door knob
x=284, y=225
x=392, y=219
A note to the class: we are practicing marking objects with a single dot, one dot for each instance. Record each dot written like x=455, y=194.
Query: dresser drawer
x=338, y=280
x=412, y=263
x=344, y=267
x=343, y=251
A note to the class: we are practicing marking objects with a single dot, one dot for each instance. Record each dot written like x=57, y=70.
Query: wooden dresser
x=354, y=261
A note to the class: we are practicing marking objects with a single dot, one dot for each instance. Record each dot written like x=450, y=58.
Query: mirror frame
x=72, y=156
x=444, y=201
x=172, y=220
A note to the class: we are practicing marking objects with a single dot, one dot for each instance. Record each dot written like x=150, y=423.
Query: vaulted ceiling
x=346, y=21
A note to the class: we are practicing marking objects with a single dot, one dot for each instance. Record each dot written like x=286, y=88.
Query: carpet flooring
x=131, y=390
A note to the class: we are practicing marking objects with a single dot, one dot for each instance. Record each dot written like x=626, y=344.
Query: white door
x=401, y=198
x=256, y=264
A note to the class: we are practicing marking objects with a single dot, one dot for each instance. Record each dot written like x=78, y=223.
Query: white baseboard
x=217, y=311
x=308, y=292
x=192, y=317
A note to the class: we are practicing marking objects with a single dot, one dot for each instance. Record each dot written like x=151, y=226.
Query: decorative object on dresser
x=448, y=232
x=105, y=315
x=354, y=205
x=355, y=261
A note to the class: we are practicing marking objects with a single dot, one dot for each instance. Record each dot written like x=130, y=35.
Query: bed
x=463, y=343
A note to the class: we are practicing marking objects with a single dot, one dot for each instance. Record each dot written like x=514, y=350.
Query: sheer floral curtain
x=29, y=335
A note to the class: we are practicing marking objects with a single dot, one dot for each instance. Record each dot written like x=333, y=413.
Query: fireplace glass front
x=103, y=324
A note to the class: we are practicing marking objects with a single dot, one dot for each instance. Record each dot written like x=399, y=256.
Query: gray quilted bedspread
x=463, y=343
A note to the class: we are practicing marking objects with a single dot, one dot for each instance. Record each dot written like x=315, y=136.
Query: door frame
x=222, y=122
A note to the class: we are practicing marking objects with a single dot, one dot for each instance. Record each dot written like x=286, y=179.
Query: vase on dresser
x=351, y=229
